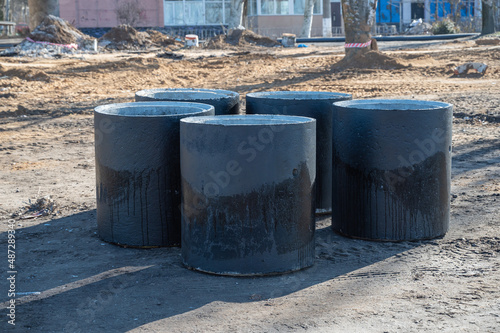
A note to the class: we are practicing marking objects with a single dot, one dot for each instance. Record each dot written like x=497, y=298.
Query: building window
x=282, y=7
x=227, y=11
x=196, y=12
x=252, y=7
x=213, y=12
x=174, y=13
x=298, y=7
x=216, y=12
x=267, y=7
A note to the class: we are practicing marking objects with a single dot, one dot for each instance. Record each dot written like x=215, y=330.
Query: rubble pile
x=57, y=30
x=159, y=39
x=125, y=37
x=29, y=49
x=417, y=27
x=240, y=37
x=36, y=208
x=54, y=37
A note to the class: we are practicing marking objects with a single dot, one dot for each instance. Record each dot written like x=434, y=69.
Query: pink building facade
x=266, y=17
x=104, y=13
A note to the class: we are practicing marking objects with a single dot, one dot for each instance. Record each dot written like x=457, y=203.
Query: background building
x=274, y=17
x=266, y=17
x=105, y=13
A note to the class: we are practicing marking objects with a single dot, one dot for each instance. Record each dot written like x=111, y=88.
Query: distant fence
x=386, y=29
x=203, y=32
x=277, y=32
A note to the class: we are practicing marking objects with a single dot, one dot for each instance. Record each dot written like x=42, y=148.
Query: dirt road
x=70, y=281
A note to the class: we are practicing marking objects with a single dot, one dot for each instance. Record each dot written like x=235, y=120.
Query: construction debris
x=53, y=38
x=30, y=49
x=125, y=37
x=40, y=207
x=288, y=40
x=240, y=37
x=464, y=69
x=170, y=55
x=418, y=27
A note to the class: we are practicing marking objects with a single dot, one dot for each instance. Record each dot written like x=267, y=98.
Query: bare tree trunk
x=359, y=18
x=436, y=14
x=6, y=7
x=41, y=8
x=488, y=17
x=244, y=20
x=236, y=14
x=327, y=19
x=308, y=19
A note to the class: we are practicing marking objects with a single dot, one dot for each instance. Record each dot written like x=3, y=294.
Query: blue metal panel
x=388, y=11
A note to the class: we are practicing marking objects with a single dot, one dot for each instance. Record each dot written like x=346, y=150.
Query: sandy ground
x=70, y=281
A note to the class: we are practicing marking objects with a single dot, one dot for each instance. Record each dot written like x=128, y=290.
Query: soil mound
x=24, y=74
x=122, y=65
x=57, y=30
x=28, y=74
x=371, y=60
x=157, y=38
x=126, y=37
x=216, y=42
x=488, y=41
x=240, y=37
x=125, y=34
